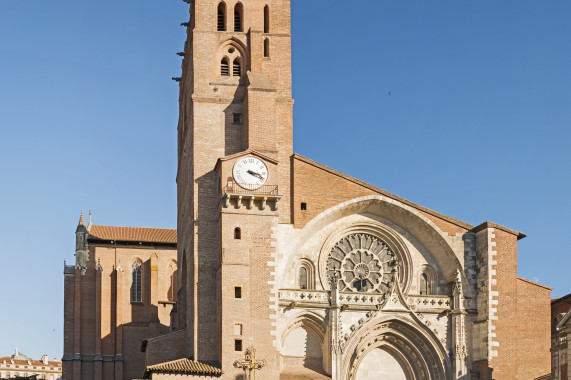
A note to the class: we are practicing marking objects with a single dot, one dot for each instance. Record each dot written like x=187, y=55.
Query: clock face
x=250, y=172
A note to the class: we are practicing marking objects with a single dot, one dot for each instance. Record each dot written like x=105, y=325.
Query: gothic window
x=173, y=282
x=221, y=17
x=303, y=278
x=305, y=274
x=136, y=295
x=266, y=47
x=363, y=263
x=427, y=280
x=224, y=70
x=238, y=15
x=423, y=284
x=236, y=68
x=237, y=233
x=266, y=19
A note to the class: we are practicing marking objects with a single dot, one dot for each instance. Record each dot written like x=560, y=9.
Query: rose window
x=363, y=263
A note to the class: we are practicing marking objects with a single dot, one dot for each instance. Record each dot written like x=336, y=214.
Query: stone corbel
x=264, y=203
x=226, y=201
x=239, y=201
x=251, y=203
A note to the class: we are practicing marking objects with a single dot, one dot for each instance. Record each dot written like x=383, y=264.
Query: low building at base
x=20, y=365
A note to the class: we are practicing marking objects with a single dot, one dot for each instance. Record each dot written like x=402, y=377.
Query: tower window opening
x=238, y=292
x=266, y=19
x=221, y=17
x=237, y=233
x=238, y=18
x=224, y=69
x=266, y=47
x=303, y=206
x=136, y=284
x=238, y=345
x=237, y=118
x=236, y=68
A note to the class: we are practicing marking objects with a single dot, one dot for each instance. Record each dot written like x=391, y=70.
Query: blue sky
x=477, y=125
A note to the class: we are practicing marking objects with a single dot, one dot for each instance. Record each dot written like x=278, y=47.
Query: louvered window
x=224, y=67
x=236, y=68
x=238, y=18
x=221, y=17
x=136, y=294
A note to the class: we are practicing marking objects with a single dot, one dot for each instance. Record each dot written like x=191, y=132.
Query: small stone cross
x=250, y=364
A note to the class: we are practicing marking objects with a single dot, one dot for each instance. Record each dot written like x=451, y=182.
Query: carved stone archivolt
x=366, y=258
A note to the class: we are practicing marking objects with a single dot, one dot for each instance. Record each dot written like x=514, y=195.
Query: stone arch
x=406, y=217
x=233, y=49
x=431, y=277
x=311, y=327
x=309, y=267
x=420, y=352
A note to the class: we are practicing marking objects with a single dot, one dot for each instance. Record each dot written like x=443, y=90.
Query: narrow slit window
x=238, y=345
x=136, y=294
x=221, y=17
x=303, y=206
x=423, y=284
x=238, y=10
x=237, y=233
x=224, y=70
x=238, y=292
x=303, y=278
x=266, y=19
x=267, y=47
x=237, y=68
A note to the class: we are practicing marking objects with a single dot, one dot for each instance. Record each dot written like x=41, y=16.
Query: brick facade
x=103, y=327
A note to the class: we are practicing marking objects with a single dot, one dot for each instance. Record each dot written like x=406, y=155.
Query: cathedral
x=288, y=269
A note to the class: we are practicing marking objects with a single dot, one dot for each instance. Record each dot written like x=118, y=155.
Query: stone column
x=459, y=339
x=335, y=331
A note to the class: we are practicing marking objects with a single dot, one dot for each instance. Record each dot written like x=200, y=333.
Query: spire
x=89, y=224
x=81, y=224
x=81, y=220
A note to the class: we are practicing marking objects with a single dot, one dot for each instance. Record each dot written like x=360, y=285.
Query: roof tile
x=135, y=234
x=183, y=366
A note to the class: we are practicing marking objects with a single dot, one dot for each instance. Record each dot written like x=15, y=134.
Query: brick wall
x=533, y=329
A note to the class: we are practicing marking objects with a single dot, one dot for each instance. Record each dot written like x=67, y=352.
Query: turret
x=81, y=252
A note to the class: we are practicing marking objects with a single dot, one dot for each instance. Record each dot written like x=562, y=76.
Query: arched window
x=238, y=17
x=305, y=274
x=224, y=70
x=303, y=278
x=221, y=17
x=237, y=68
x=266, y=47
x=136, y=284
x=173, y=284
x=423, y=284
x=427, y=280
x=266, y=19
x=237, y=233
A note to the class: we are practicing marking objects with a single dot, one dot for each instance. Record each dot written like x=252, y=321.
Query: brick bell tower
x=234, y=173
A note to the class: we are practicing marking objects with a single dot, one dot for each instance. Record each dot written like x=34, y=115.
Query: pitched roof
x=183, y=366
x=9, y=359
x=135, y=234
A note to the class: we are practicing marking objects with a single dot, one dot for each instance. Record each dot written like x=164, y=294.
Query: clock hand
x=257, y=175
